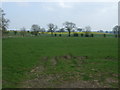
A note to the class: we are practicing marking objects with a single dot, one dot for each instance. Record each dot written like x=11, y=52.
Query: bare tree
x=69, y=26
x=4, y=22
x=23, y=31
x=87, y=31
x=42, y=30
x=101, y=31
x=61, y=30
x=52, y=28
x=79, y=29
x=15, y=32
x=116, y=30
x=35, y=29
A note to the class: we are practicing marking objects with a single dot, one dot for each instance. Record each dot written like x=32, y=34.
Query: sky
x=98, y=15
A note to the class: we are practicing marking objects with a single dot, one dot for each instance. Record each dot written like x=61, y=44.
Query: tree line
x=35, y=29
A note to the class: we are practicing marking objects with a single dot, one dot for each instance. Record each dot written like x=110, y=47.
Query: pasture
x=49, y=62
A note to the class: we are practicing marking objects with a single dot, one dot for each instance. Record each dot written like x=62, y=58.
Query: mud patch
x=80, y=84
x=70, y=56
x=110, y=58
x=37, y=69
x=69, y=78
x=40, y=82
x=54, y=60
x=66, y=56
x=44, y=59
x=111, y=80
x=46, y=83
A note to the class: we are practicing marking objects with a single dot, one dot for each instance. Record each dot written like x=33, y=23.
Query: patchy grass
x=50, y=61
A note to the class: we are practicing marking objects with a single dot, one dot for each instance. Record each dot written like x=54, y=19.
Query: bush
x=82, y=35
x=92, y=35
x=104, y=35
x=60, y=35
x=55, y=35
x=86, y=35
x=75, y=34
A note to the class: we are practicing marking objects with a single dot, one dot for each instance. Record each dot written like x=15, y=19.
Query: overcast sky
x=98, y=15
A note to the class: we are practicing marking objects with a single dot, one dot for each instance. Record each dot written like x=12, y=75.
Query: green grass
x=20, y=55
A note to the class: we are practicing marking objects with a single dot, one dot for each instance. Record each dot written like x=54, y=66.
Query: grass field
x=59, y=62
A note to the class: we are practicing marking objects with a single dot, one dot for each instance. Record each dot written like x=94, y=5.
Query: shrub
x=75, y=34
